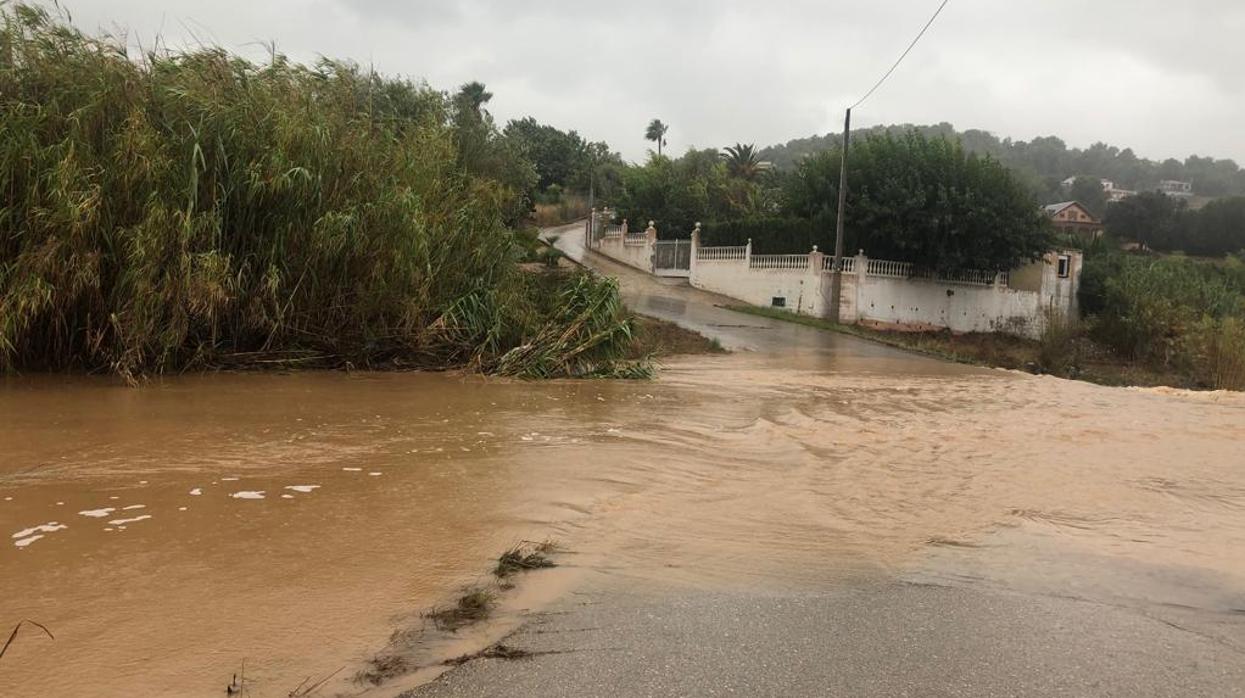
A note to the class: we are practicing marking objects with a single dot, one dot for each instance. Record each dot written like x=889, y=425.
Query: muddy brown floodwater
x=167, y=534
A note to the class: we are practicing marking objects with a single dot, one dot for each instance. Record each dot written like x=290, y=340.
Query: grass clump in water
x=473, y=606
x=524, y=557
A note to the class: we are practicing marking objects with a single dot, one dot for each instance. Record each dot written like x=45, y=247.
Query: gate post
x=693, y=253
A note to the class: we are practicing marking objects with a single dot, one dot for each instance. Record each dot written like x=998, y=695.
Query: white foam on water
x=8, y=499
x=97, y=513
x=142, y=482
x=374, y=474
x=49, y=527
x=134, y=506
x=181, y=508
x=196, y=492
x=60, y=504
x=27, y=541
x=353, y=470
x=120, y=523
x=302, y=488
x=230, y=479
x=248, y=494
x=114, y=497
x=287, y=496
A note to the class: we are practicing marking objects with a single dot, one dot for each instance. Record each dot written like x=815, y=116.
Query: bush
x=567, y=208
x=1216, y=349
x=1144, y=306
x=1059, y=347
x=1177, y=313
x=773, y=235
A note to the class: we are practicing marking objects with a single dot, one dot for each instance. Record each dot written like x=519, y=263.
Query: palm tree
x=742, y=161
x=474, y=96
x=656, y=132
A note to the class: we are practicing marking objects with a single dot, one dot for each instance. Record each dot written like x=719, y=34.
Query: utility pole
x=592, y=179
x=836, y=274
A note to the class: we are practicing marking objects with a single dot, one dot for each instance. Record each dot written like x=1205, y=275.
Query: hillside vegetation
x=1044, y=162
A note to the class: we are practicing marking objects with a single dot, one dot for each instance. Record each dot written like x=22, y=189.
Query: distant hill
x=1046, y=161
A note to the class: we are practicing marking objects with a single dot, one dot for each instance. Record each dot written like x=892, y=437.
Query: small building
x=1172, y=187
x=1072, y=217
x=1113, y=192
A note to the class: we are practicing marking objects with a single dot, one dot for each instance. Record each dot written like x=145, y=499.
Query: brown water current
x=166, y=534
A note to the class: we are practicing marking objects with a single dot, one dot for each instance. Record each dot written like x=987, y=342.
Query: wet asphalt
x=890, y=640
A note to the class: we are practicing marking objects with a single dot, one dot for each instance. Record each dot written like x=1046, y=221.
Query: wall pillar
x=812, y=282
x=691, y=267
x=861, y=265
x=650, y=240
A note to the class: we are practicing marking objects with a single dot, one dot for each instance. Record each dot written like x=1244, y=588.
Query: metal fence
x=672, y=255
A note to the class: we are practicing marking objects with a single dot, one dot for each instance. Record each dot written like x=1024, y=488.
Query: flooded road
x=166, y=534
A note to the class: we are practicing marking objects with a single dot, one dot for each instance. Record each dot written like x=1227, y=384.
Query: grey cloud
x=1161, y=77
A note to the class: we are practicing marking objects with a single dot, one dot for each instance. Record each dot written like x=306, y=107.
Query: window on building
x=1065, y=266
x=779, y=302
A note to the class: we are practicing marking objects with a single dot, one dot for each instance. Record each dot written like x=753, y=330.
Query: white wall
x=908, y=302
x=639, y=256
x=800, y=289
x=958, y=307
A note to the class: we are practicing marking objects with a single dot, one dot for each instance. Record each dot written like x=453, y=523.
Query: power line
x=905, y=55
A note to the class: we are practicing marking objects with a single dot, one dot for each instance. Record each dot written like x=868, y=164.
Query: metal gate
x=672, y=257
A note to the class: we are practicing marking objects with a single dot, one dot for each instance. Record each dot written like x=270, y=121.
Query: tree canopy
x=1167, y=224
x=1088, y=192
x=926, y=201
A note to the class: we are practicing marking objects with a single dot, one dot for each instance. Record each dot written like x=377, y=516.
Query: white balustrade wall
x=876, y=291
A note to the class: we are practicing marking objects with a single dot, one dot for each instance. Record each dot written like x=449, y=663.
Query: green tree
x=556, y=155
x=1149, y=218
x=1217, y=229
x=678, y=193
x=656, y=132
x=484, y=152
x=925, y=201
x=1089, y=193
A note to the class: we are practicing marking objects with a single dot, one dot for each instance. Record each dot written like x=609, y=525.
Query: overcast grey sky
x=1164, y=77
